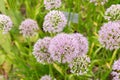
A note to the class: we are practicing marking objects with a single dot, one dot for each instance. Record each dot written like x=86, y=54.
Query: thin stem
x=51, y=71
x=65, y=72
x=113, y=56
x=29, y=44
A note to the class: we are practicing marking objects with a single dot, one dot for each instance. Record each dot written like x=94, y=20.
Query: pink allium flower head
x=116, y=65
x=6, y=22
x=51, y=4
x=54, y=22
x=46, y=77
x=40, y=50
x=79, y=65
x=113, y=12
x=109, y=35
x=83, y=43
x=63, y=48
x=28, y=27
x=101, y=2
x=116, y=70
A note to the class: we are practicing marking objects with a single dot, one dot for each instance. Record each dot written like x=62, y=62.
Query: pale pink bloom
x=63, y=48
x=40, y=50
x=109, y=35
x=82, y=42
x=113, y=12
x=28, y=27
x=80, y=65
x=116, y=70
x=52, y=4
x=54, y=22
x=6, y=23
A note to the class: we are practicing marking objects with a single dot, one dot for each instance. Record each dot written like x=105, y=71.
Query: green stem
x=98, y=50
x=29, y=44
x=113, y=56
x=51, y=71
x=65, y=76
x=65, y=72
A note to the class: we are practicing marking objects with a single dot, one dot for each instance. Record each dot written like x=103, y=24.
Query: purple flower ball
x=6, y=23
x=112, y=13
x=54, y=22
x=116, y=70
x=83, y=43
x=63, y=48
x=28, y=28
x=40, y=50
x=79, y=65
x=109, y=35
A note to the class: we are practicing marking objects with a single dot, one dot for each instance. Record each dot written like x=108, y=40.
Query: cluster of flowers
x=54, y=21
x=109, y=35
x=64, y=48
x=28, y=27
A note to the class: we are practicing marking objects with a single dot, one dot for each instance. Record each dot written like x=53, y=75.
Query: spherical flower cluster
x=101, y=2
x=51, y=4
x=116, y=70
x=40, y=50
x=46, y=77
x=63, y=48
x=113, y=12
x=83, y=43
x=54, y=22
x=28, y=27
x=116, y=65
x=6, y=23
x=109, y=35
x=79, y=65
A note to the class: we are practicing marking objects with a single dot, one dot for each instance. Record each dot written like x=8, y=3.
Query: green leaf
x=2, y=6
x=58, y=68
x=5, y=42
x=2, y=58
